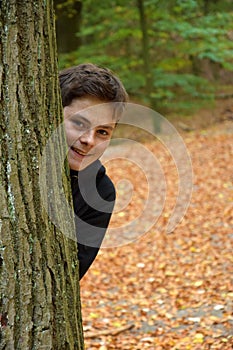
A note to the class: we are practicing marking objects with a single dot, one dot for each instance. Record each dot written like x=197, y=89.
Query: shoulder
x=105, y=185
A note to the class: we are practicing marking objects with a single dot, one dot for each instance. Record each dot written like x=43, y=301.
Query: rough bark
x=39, y=289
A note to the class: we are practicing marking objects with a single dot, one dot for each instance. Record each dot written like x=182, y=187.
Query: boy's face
x=89, y=126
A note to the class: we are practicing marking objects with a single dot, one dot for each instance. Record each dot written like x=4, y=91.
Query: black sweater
x=93, y=199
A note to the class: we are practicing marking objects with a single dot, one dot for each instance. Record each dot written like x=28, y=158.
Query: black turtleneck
x=93, y=199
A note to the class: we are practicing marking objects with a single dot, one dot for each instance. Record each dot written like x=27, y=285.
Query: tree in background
x=39, y=288
x=68, y=24
x=168, y=53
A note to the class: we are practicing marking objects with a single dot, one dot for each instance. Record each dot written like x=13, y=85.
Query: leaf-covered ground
x=175, y=289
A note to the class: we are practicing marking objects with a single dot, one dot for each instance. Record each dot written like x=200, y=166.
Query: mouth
x=79, y=152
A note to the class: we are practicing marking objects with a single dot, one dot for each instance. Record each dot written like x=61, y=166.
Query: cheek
x=71, y=134
x=101, y=146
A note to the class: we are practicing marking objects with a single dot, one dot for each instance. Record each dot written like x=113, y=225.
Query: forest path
x=176, y=289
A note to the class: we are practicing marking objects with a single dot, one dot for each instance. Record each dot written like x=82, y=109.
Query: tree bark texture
x=39, y=288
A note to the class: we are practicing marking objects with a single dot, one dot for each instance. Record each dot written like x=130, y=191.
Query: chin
x=78, y=167
x=74, y=166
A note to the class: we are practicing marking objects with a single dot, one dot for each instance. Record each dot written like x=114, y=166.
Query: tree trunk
x=145, y=47
x=39, y=288
x=147, y=62
x=68, y=21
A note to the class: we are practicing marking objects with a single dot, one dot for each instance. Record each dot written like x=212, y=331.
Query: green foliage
x=182, y=35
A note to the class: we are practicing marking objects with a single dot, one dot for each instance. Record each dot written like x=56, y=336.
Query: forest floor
x=168, y=290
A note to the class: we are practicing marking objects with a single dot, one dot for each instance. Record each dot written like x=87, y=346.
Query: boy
x=93, y=100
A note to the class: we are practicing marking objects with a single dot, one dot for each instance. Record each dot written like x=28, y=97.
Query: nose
x=88, y=138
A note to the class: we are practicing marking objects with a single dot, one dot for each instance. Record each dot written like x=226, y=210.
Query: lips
x=79, y=152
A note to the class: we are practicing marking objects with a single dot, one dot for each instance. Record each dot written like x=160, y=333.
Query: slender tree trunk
x=68, y=23
x=147, y=61
x=145, y=47
x=206, y=7
x=39, y=288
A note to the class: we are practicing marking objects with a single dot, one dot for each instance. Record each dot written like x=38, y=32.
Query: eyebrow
x=105, y=126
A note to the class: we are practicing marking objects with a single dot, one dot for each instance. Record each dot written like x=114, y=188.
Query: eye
x=78, y=123
x=103, y=132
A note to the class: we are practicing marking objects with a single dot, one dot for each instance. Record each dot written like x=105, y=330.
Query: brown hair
x=89, y=79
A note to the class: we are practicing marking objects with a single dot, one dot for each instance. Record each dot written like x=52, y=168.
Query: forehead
x=94, y=110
